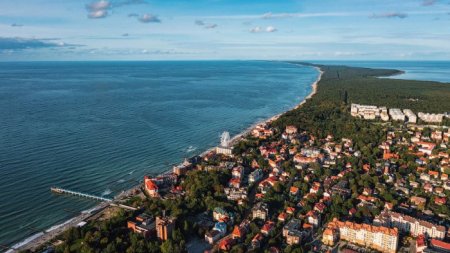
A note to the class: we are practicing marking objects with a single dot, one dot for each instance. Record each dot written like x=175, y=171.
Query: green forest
x=327, y=112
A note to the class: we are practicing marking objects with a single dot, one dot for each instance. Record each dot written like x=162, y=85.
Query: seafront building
x=380, y=238
x=409, y=224
x=225, y=148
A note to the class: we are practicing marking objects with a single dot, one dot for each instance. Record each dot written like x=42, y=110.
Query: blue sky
x=224, y=29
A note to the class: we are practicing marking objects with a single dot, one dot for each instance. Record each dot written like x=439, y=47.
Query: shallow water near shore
x=98, y=127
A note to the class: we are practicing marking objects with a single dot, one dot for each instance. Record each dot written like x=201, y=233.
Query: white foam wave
x=106, y=192
x=59, y=225
x=191, y=149
x=27, y=240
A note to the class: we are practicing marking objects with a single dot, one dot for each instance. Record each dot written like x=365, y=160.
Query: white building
x=396, y=114
x=431, y=117
x=412, y=118
x=410, y=225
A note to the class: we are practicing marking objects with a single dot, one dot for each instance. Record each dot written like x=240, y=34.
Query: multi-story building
x=412, y=118
x=260, y=211
x=255, y=176
x=164, y=227
x=375, y=237
x=397, y=114
x=142, y=224
x=431, y=117
x=365, y=111
x=292, y=232
x=409, y=224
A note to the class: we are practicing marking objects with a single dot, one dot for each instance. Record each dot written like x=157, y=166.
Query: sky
x=224, y=29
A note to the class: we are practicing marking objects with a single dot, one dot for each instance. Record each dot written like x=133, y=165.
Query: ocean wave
x=190, y=149
x=106, y=192
x=27, y=240
x=59, y=225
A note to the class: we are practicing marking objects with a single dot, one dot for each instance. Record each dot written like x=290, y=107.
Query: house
x=428, y=187
x=212, y=236
x=150, y=187
x=440, y=201
x=291, y=231
x=425, y=177
x=235, y=182
x=341, y=188
x=314, y=189
x=238, y=233
x=255, y=176
x=290, y=210
x=320, y=207
x=256, y=241
x=221, y=227
x=226, y=244
x=291, y=130
x=293, y=191
x=267, y=227
x=367, y=191
x=294, y=237
x=282, y=216
x=313, y=218
x=236, y=193
x=260, y=211
x=219, y=214
x=238, y=172
x=433, y=174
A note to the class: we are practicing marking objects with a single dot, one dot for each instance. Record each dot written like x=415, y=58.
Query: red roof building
x=150, y=187
x=444, y=246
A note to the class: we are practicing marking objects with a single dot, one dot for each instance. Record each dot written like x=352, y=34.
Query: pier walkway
x=80, y=194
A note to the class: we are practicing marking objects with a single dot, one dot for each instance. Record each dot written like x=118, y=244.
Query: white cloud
x=98, y=14
x=149, y=18
x=271, y=29
x=98, y=9
x=258, y=29
x=99, y=5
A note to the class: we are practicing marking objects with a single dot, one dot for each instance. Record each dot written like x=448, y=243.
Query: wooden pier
x=79, y=194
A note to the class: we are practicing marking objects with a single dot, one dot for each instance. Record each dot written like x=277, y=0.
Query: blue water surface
x=97, y=127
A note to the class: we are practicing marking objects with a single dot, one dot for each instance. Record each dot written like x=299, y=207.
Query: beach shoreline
x=38, y=240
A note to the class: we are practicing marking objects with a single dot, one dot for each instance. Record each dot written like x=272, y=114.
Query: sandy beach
x=38, y=240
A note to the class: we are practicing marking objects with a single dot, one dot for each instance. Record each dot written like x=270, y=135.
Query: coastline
x=37, y=240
